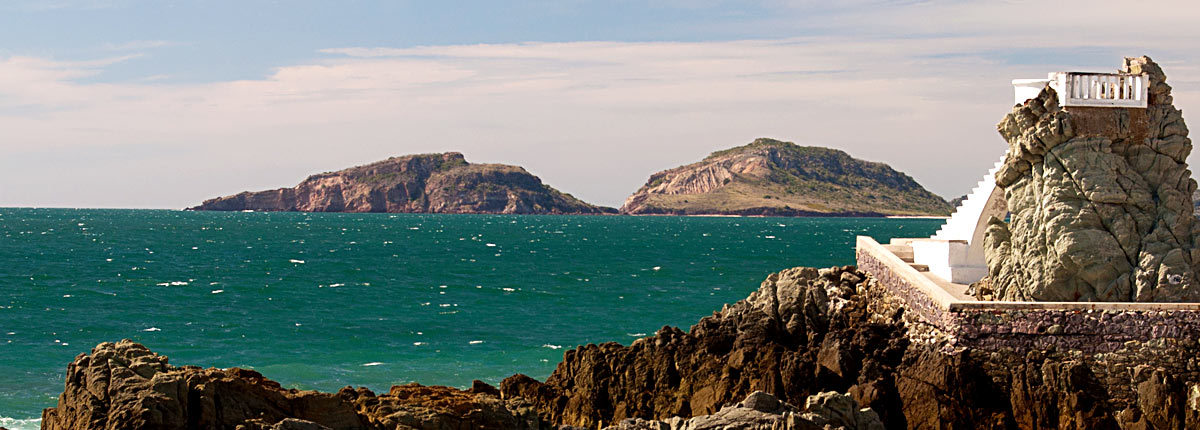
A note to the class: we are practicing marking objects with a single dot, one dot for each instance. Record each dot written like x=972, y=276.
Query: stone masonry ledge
x=1094, y=327
x=946, y=300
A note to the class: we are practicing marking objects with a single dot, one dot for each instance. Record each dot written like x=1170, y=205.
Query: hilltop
x=423, y=183
x=771, y=177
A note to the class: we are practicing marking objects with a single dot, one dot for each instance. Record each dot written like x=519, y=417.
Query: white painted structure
x=955, y=252
x=1088, y=89
x=1026, y=89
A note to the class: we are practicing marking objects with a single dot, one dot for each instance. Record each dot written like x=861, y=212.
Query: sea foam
x=18, y=424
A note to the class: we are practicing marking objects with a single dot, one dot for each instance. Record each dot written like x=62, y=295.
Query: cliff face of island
x=1101, y=202
x=427, y=183
x=770, y=177
x=804, y=337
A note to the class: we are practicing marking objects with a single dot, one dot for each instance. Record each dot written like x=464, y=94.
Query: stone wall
x=1126, y=348
x=904, y=287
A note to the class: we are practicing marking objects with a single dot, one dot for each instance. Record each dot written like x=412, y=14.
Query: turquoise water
x=321, y=301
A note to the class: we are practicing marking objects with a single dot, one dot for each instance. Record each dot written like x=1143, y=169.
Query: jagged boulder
x=798, y=335
x=124, y=385
x=1100, y=201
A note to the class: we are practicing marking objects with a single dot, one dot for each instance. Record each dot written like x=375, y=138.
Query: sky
x=163, y=104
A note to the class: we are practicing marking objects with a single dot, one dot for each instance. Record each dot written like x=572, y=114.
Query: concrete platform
x=949, y=296
x=1085, y=326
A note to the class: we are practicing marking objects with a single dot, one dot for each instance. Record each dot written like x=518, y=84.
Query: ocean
x=322, y=301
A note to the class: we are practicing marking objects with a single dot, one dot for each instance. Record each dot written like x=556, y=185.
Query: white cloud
x=591, y=118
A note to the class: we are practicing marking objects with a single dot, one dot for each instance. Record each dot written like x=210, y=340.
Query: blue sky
x=208, y=41
x=114, y=103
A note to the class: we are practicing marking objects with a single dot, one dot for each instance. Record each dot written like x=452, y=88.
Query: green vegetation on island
x=772, y=177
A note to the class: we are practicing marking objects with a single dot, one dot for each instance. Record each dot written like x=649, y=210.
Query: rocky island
x=425, y=183
x=771, y=177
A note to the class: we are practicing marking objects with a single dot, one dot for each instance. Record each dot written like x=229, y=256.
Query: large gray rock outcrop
x=1100, y=200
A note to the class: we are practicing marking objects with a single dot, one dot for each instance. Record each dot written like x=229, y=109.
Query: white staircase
x=955, y=252
x=961, y=225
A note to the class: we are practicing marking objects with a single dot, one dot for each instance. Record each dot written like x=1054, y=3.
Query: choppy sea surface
x=322, y=301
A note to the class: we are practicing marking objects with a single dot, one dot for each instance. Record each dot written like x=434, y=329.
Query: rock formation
x=770, y=177
x=807, y=331
x=1100, y=200
x=762, y=411
x=791, y=338
x=126, y=386
x=427, y=183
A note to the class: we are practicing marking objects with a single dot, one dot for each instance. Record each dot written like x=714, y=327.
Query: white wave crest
x=18, y=424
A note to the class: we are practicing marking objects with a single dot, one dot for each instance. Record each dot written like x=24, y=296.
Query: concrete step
x=920, y=267
x=962, y=223
x=905, y=252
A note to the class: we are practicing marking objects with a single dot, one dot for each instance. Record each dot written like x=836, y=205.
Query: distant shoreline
x=813, y=215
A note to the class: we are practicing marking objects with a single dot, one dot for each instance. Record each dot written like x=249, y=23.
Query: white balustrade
x=1088, y=89
x=1100, y=89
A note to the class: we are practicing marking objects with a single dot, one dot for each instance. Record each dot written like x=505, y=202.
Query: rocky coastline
x=804, y=336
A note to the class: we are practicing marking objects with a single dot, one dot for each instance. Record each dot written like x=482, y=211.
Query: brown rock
x=769, y=342
x=126, y=386
x=480, y=387
x=1161, y=401
x=426, y=183
x=790, y=336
